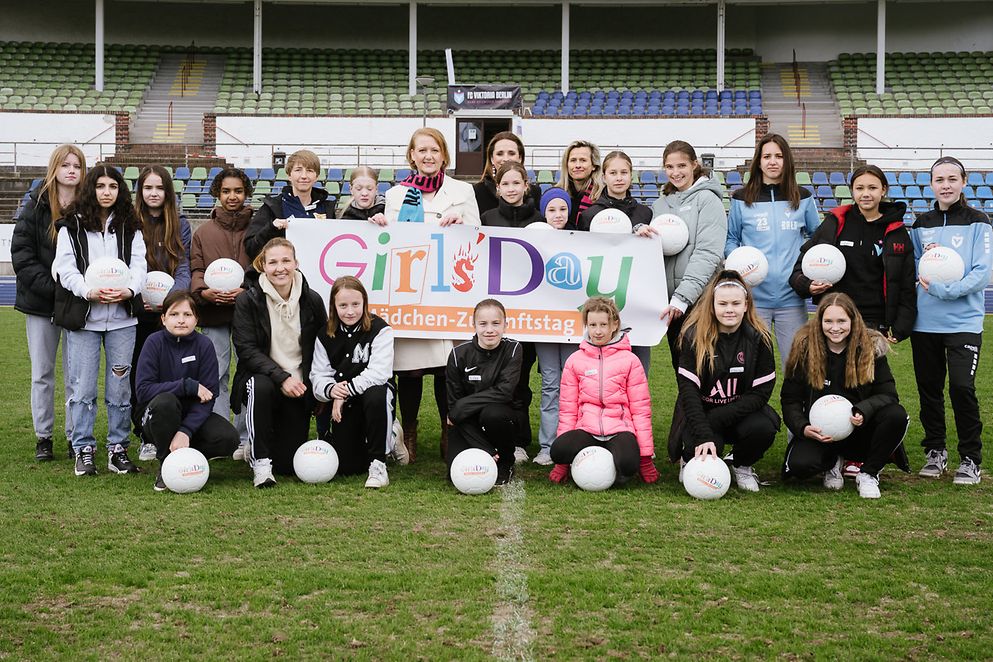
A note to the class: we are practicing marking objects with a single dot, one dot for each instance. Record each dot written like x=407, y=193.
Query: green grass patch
x=102, y=568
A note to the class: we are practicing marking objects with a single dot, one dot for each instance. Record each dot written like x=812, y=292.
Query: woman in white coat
x=426, y=196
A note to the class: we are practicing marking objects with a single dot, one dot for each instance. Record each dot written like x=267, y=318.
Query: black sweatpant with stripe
x=277, y=425
x=956, y=354
x=363, y=435
x=751, y=437
x=872, y=443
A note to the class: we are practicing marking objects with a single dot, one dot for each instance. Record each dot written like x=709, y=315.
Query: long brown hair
x=682, y=147
x=489, y=172
x=808, y=356
x=703, y=321
x=50, y=187
x=788, y=186
x=165, y=234
x=348, y=283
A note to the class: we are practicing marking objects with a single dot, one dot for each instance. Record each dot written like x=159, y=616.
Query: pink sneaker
x=559, y=474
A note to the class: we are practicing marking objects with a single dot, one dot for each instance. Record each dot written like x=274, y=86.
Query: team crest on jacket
x=899, y=248
x=741, y=358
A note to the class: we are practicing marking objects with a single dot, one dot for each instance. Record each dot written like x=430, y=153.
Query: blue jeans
x=784, y=322
x=84, y=365
x=551, y=359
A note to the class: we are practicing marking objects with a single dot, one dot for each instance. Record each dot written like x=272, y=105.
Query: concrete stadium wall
x=914, y=143
x=27, y=139
x=816, y=31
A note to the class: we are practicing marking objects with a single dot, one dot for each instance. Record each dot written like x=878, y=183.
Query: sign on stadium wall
x=484, y=97
x=425, y=280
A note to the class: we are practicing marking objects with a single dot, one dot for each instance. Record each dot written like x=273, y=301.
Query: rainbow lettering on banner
x=425, y=280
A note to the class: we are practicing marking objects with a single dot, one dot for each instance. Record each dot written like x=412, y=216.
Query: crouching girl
x=353, y=370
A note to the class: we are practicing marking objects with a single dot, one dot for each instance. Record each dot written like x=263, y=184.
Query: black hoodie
x=637, y=212
x=506, y=216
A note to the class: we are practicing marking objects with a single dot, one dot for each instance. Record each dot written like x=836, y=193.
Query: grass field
x=104, y=568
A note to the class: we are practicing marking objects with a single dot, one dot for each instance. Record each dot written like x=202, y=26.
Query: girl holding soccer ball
x=948, y=332
x=604, y=399
x=835, y=353
x=726, y=375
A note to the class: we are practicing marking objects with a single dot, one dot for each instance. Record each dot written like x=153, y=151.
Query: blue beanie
x=550, y=195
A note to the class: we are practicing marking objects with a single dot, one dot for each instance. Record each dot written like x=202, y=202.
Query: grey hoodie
x=702, y=208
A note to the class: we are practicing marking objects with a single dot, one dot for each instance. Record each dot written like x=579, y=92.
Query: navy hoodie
x=178, y=365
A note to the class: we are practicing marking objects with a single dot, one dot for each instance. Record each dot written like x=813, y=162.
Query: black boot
x=43, y=450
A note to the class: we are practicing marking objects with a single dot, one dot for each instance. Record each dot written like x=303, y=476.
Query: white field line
x=512, y=631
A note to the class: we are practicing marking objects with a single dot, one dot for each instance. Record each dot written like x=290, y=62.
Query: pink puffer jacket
x=604, y=391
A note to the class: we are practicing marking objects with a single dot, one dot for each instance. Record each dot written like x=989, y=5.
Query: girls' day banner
x=424, y=280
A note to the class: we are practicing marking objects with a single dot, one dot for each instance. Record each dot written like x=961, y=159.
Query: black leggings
x=410, y=386
x=751, y=437
x=873, y=443
x=623, y=446
x=365, y=429
x=493, y=431
x=161, y=420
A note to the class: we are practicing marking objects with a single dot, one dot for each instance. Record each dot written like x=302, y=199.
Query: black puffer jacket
x=506, y=216
x=32, y=252
x=261, y=229
x=487, y=198
x=478, y=377
x=637, y=212
x=252, y=336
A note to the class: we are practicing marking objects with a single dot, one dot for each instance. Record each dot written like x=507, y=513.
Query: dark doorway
x=472, y=134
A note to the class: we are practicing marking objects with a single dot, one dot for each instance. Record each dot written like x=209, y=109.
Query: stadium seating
x=51, y=76
x=919, y=83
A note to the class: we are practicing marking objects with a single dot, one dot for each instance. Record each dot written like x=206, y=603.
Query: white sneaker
x=520, y=455
x=746, y=478
x=263, y=474
x=377, y=475
x=146, y=453
x=400, y=453
x=834, y=479
x=240, y=453
x=544, y=458
x=868, y=486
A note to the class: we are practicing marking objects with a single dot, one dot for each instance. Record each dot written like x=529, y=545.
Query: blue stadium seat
x=838, y=179
x=905, y=179
x=251, y=173
x=896, y=192
x=829, y=203
x=923, y=178
x=989, y=179
x=647, y=177
x=267, y=173
x=214, y=172
x=383, y=187
x=819, y=179
x=913, y=192
x=920, y=206
x=733, y=178
x=975, y=179
x=205, y=201
x=824, y=191
x=182, y=172
x=335, y=174
x=891, y=178
x=984, y=192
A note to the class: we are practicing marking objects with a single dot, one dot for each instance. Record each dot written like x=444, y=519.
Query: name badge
x=737, y=368
x=475, y=378
x=846, y=243
x=188, y=359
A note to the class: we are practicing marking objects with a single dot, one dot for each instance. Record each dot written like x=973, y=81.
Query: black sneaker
x=159, y=485
x=118, y=461
x=43, y=450
x=84, y=462
x=504, y=475
x=70, y=453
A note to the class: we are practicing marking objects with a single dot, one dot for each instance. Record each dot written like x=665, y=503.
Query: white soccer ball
x=185, y=470
x=538, y=225
x=474, y=471
x=593, y=469
x=224, y=274
x=941, y=264
x=612, y=221
x=832, y=414
x=107, y=272
x=675, y=235
x=706, y=478
x=749, y=262
x=157, y=286
x=823, y=262
x=315, y=462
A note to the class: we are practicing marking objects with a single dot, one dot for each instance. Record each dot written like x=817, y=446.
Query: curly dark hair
x=215, y=186
x=89, y=209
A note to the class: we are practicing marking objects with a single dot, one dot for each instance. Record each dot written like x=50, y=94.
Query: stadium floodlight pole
x=98, y=46
x=257, y=50
x=422, y=83
x=565, y=46
x=412, y=49
x=881, y=47
x=721, y=34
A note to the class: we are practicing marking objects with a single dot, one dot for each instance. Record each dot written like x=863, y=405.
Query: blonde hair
x=596, y=177
x=259, y=262
x=50, y=187
x=601, y=305
x=303, y=157
x=435, y=135
x=364, y=171
x=702, y=321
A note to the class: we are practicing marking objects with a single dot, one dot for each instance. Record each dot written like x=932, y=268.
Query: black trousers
x=872, y=443
x=148, y=323
x=751, y=437
x=363, y=435
x=623, y=446
x=956, y=354
x=410, y=386
x=162, y=417
x=672, y=336
x=493, y=431
x=524, y=395
x=277, y=425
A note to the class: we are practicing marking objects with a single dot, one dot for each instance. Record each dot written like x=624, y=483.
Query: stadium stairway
x=203, y=74
x=786, y=117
